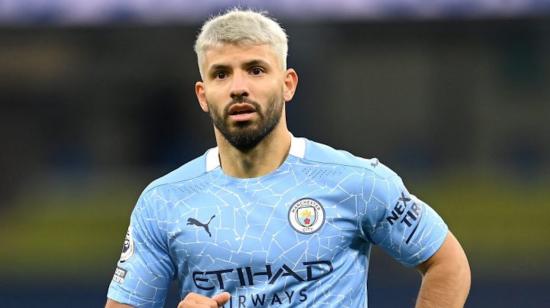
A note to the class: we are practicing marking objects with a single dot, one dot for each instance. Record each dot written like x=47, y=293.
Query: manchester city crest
x=306, y=215
x=128, y=246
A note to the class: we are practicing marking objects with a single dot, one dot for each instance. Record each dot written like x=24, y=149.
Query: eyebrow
x=255, y=62
x=218, y=67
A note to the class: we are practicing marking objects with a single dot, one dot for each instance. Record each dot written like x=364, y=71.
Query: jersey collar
x=297, y=148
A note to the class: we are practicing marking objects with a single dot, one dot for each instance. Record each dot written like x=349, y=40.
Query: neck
x=267, y=156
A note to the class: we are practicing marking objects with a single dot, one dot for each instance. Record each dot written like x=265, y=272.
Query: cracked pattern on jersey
x=216, y=233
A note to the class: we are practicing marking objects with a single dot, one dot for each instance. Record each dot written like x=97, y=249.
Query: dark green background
x=460, y=109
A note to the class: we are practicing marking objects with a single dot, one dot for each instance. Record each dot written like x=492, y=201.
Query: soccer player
x=269, y=219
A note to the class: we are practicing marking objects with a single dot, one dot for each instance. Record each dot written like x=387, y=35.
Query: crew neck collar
x=297, y=148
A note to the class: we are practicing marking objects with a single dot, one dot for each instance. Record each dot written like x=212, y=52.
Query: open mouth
x=242, y=112
x=238, y=109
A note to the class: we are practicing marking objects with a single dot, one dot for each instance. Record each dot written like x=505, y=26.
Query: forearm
x=444, y=288
x=113, y=304
x=446, y=277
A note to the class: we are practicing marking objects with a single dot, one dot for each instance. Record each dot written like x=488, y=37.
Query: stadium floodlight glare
x=121, y=11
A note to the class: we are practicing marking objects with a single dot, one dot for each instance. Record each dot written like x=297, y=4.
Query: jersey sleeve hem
x=430, y=251
x=119, y=298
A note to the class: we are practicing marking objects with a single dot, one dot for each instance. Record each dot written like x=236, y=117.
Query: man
x=267, y=219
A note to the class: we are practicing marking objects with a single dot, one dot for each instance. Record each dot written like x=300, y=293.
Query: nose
x=239, y=87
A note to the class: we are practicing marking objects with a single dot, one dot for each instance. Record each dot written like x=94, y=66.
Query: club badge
x=128, y=247
x=306, y=215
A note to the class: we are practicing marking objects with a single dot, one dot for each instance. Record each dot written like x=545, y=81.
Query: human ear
x=290, y=84
x=201, y=95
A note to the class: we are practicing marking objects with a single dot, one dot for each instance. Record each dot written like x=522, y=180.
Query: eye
x=256, y=70
x=220, y=75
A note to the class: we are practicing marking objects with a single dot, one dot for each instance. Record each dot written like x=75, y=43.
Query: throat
x=250, y=165
x=259, y=161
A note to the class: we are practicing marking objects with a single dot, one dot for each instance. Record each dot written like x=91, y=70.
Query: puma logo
x=193, y=221
x=374, y=162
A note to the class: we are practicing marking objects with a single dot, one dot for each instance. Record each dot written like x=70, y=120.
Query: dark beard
x=243, y=137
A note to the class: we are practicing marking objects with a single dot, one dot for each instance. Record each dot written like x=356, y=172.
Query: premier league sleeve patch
x=127, y=247
x=306, y=215
x=119, y=275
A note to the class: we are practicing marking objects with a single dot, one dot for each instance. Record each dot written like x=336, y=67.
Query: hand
x=194, y=300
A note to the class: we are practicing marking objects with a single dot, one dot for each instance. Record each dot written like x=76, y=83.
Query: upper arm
x=145, y=269
x=446, y=277
x=450, y=254
x=404, y=226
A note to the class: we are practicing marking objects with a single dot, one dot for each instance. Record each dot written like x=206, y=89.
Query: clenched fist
x=194, y=300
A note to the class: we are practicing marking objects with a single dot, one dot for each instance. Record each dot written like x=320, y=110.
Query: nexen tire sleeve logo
x=408, y=212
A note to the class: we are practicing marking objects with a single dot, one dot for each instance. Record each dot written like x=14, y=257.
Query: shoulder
x=193, y=169
x=324, y=154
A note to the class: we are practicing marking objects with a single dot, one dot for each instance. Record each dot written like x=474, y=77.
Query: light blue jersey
x=299, y=236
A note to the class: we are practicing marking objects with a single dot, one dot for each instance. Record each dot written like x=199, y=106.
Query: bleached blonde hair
x=241, y=27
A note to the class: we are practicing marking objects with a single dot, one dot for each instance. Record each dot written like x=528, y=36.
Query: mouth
x=241, y=112
x=241, y=108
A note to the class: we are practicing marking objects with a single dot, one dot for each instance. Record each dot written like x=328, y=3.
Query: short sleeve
x=401, y=224
x=145, y=269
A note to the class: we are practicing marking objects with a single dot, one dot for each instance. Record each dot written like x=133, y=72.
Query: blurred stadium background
x=96, y=100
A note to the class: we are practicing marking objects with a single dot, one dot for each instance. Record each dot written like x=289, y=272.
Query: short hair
x=241, y=27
